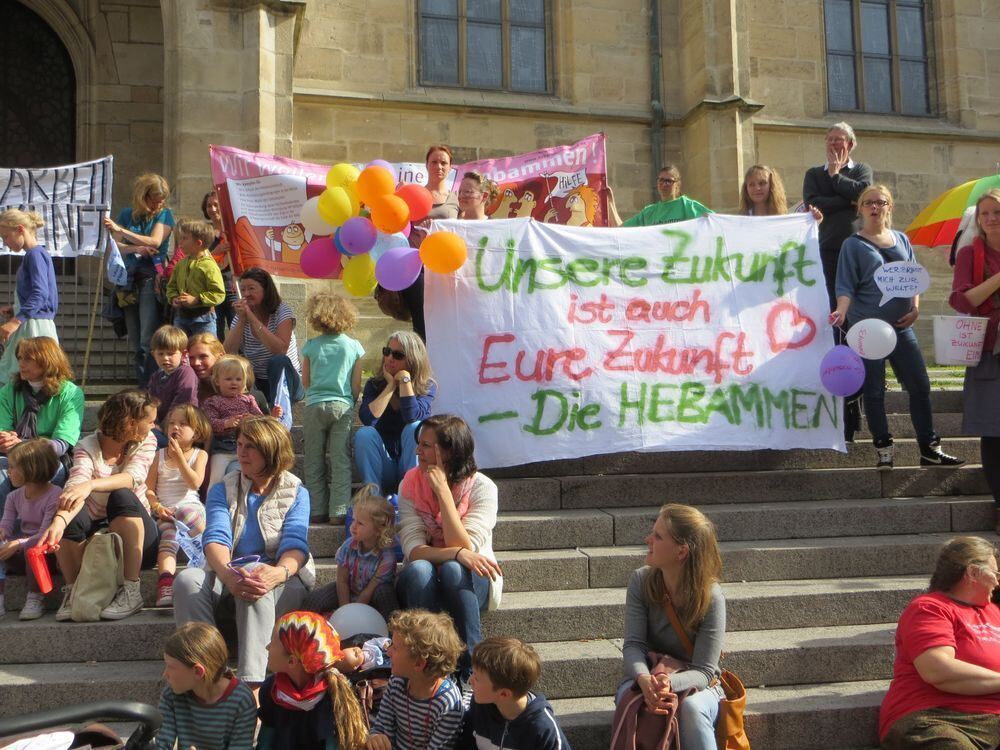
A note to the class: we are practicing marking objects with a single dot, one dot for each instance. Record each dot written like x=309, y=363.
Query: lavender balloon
x=357, y=235
x=382, y=163
x=842, y=372
x=398, y=268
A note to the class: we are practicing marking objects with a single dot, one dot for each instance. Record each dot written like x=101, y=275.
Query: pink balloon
x=320, y=259
x=406, y=230
x=398, y=268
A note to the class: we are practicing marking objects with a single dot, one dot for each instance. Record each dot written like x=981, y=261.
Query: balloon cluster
x=842, y=370
x=361, y=223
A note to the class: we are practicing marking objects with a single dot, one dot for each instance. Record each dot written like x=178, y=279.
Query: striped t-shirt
x=412, y=724
x=258, y=354
x=227, y=724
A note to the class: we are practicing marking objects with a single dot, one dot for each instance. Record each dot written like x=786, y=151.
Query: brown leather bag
x=635, y=727
x=729, y=731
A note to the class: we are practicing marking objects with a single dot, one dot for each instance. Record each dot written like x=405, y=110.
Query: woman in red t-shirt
x=945, y=689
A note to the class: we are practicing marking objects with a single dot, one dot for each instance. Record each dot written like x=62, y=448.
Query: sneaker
x=63, y=614
x=885, y=455
x=165, y=591
x=34, y=607
x=932, y=455
x=127, y=601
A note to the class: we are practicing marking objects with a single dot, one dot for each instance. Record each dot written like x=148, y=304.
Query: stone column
x=228, y=81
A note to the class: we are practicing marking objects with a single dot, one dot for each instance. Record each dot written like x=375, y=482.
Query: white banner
x=73, y=199
x=557, y=342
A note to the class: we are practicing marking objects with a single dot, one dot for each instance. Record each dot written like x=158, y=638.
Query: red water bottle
x=40, y=567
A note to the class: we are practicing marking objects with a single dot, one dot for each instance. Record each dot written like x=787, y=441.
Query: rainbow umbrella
x=938, y=223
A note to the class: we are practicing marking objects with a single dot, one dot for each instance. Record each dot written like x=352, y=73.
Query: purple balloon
x=382, y=163
x=357, y=235
x=842, y=371
x=320, y=259
x=398, y=268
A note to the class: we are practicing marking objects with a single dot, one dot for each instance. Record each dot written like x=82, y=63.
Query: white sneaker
x=64, y=613
x=127, y=601
x=34, y=607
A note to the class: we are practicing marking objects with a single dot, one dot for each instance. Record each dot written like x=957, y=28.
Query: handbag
x=634, y=727
x=729, y=731
x=102, y=573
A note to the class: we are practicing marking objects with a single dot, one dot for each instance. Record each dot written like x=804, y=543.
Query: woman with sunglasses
x=392, y=405
x=859, y=298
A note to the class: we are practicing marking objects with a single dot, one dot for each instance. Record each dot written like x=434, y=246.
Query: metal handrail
x=148, y=717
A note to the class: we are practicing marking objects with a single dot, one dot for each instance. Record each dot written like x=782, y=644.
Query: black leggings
x=989, y=449
x=121, y=504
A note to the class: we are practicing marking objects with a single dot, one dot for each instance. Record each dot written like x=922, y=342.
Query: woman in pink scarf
x=447, y=513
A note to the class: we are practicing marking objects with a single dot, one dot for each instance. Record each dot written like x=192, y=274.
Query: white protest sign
x=557, y=342
x=901, y=278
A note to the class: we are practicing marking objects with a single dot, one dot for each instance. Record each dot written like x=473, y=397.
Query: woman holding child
x=41, y=400
x=255, y=543
x=682, y=572
x=264, y=332
x=447, y=514
x=945, y=689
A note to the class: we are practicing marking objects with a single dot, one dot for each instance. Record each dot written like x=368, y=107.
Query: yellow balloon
x=443, y=252
x=334, y=206
x=342, y=176
x=359, y=275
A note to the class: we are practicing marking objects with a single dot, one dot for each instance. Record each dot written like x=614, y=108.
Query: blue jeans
x=908, y=364
x=58, y=479
x=376, y=466
x=276, y=365
x=696, y=718
x=452, y=588
x=141, y=320
x=193, y=325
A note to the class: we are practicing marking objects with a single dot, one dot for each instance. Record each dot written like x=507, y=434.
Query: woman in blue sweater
x=37, y=298
x=392, y=405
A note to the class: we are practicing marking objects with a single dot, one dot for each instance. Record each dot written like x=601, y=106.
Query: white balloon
x=872, y=338
x=352, y=619
x=312, y=221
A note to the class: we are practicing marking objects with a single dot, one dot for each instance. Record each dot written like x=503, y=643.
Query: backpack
x=102, y=573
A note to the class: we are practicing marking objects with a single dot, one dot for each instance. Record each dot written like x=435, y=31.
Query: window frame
x=505, y=24
x=858, y=56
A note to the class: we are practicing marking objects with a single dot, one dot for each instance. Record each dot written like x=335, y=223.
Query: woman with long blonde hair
x=36, y=297
x=683, y=568
x=763, y=192
x=393, y=403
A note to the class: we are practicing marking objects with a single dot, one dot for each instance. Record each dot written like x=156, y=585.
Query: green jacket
x=201, y=277
x=60, y=418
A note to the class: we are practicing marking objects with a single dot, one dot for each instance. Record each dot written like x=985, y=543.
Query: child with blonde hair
x=331, y=375
x=203, y=705
x=33, y=504
x=175, y=477
x=232, y=378
x=195, y=286
x=307, y=703
x=36, y=297
x=366, y=561
x=422, y=708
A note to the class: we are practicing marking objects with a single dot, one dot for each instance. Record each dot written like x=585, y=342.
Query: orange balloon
x=418, y=198
x=390, y=213
x=373, y=183
x=443, y=252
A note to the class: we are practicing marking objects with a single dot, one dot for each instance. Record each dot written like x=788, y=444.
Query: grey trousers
x=197, y=594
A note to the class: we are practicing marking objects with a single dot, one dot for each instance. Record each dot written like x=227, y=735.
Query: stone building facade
x=712, y=85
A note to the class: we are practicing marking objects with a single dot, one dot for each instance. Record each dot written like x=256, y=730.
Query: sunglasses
x=394, y=353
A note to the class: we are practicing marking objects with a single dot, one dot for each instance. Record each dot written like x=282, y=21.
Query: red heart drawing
x=783, y=323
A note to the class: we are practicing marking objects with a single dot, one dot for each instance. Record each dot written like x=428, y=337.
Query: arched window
x=37, y=92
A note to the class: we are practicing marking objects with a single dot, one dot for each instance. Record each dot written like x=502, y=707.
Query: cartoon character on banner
x=578, y=209
x=512, y=205
x=289, y=245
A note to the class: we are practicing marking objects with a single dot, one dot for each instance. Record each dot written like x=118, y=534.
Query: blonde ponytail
x=351, y=729
x=14, y=217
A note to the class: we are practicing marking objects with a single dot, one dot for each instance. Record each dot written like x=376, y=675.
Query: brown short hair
x=430, y=637
x=36, y=460
x=271, y=438
x=197, y=228
x=47, y=353
x=199, y=643
x=210, y=341
x=119, y=415
x=438, y=147
x=454, y=436
x=510, y=664
x=330, y=313
x=196, y=419
x=168, y=339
